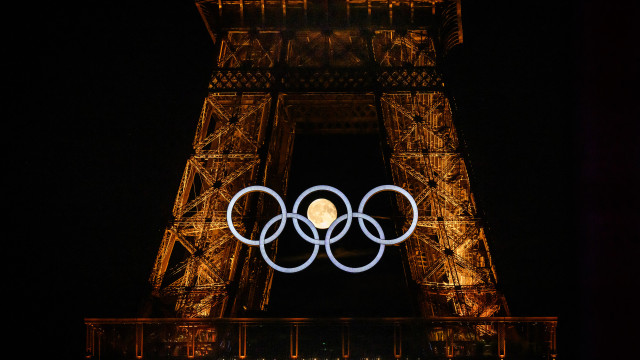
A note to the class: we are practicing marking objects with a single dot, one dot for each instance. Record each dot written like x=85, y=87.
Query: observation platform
x=322, y=338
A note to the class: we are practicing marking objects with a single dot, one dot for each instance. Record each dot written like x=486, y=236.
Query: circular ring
x=262, y=241
x=414, y=208
x=330, y=189
x=327, y=244
x=253, y=189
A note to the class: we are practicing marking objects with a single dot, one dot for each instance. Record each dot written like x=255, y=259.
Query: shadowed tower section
x=324, y=67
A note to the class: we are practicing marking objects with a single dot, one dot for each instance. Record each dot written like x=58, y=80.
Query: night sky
x=112, y=100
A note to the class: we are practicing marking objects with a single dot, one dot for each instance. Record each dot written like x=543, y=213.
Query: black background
x=110, y=93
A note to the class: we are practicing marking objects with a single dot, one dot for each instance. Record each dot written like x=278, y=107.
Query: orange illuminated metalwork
x=291, y=338
x=139, y=341
x=242, y=341
x=351, y=66
x=293, y=341
x=292, y=67
x=345, y=342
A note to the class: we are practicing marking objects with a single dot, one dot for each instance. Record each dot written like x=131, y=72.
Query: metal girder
x=345, y=14
x=448, y=254
x=369, y=67
x=317, y=60
x=302, y=80
x=231, y=134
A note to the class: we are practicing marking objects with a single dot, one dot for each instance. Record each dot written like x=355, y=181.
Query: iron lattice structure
x=282, y=68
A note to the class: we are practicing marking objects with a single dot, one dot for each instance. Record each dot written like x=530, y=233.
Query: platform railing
x=322, y=338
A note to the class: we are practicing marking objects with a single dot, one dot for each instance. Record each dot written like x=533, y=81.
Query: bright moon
x=322, y=212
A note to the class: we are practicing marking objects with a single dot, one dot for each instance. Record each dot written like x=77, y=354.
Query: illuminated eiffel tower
x=291, y=67
x=318, y=66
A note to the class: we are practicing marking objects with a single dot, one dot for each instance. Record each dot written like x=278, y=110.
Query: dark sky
x=114, y=92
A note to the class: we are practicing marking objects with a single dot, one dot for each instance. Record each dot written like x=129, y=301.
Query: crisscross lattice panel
x=346, y=66
x=229, y=148
x=448, y=253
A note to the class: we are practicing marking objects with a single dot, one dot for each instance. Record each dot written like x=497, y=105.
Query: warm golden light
x=322, y=213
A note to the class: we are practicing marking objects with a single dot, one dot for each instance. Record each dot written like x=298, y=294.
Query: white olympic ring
x=327, y=245
x=328, y=239
x=262, y=241
x=248, y=190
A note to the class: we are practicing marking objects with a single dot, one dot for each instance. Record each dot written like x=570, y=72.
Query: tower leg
x=238, y=143
x=447, y=254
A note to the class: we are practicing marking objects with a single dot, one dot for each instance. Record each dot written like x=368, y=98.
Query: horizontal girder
x=303, y=80
x=443, y=15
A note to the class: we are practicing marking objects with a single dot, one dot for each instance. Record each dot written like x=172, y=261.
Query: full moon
x=322, y=212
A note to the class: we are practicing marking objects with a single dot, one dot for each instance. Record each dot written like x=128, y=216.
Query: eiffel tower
x=287, y=70
x=317, y=66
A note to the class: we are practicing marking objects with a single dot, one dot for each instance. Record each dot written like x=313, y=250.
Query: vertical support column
x=345, y=341
x=412, y=11
x=552, y=342
x=191, y=342
x=237, y=291
x=384, y=138
x=501, y=340
x=459, y=19
x=305, y=6
x=242, y=341
x=90, y=346
x=139, y=341
x=293, y=344
x=397, y=341
x=284, y=12
x=449, y=343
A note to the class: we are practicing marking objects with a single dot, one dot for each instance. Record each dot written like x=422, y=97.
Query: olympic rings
x=414, y=208
x=248, y=190
x=297, y=268
x=327, y=244
x=328, y=239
